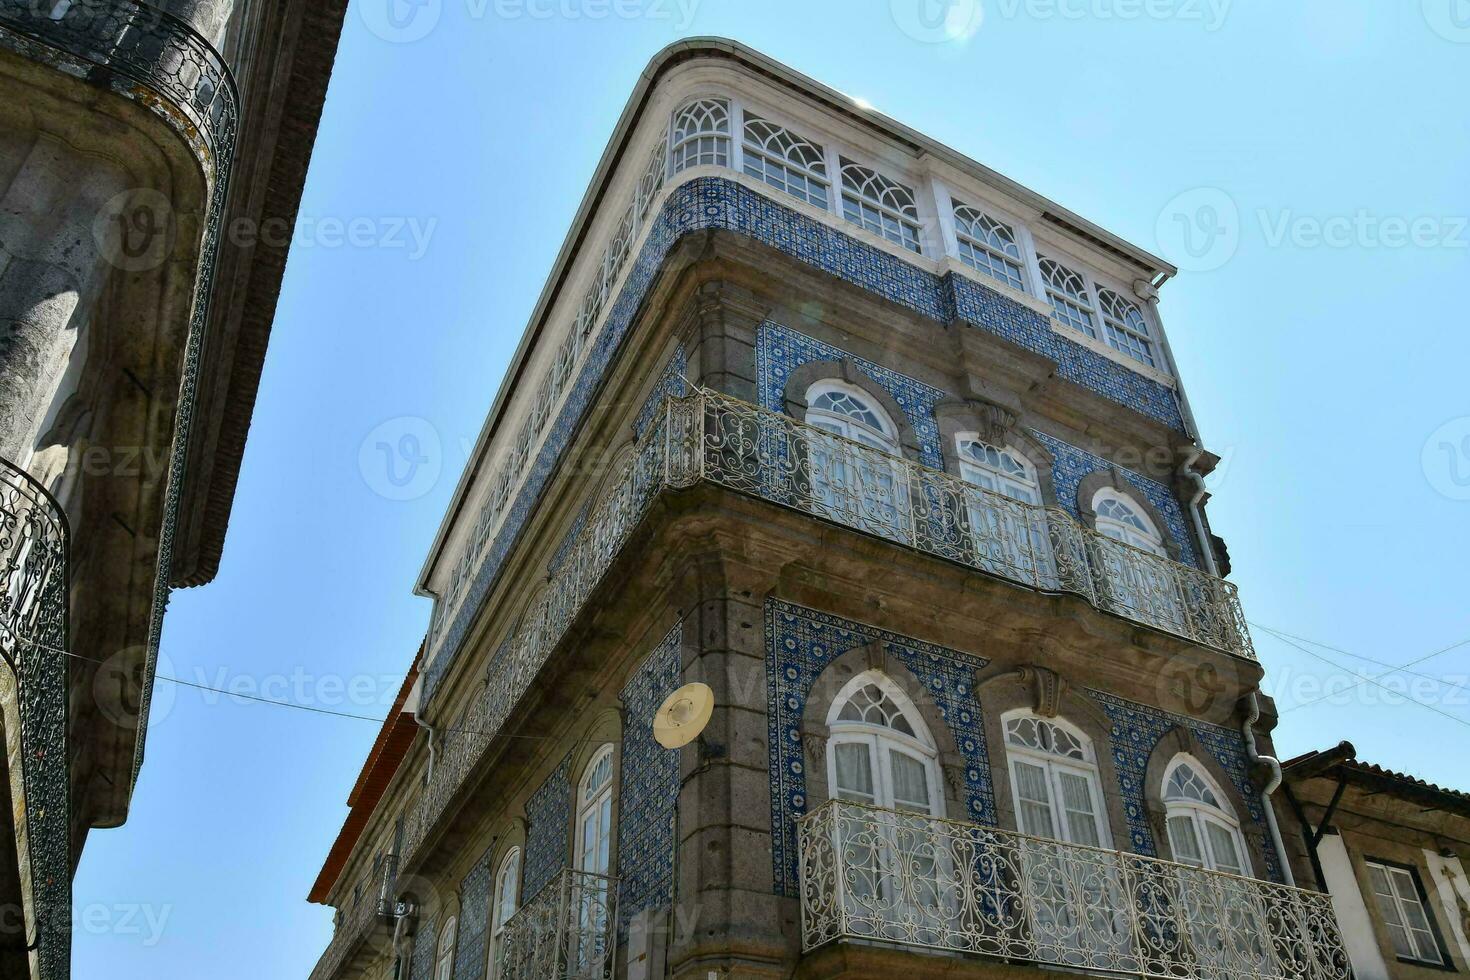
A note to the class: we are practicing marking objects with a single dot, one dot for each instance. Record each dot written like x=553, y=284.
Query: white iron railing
x=876, y=875
x=714, y=438
x=564, y=933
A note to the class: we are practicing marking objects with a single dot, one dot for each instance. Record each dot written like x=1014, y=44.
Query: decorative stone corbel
x=994, y=421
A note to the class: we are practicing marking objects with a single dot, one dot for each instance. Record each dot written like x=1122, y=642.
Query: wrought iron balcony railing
x=564, y=933
x=34, y=601
x=875, y=875
x=377, y=911
x=715, y=438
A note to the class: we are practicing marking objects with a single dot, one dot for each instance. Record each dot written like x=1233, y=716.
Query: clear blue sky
x=1318, y=370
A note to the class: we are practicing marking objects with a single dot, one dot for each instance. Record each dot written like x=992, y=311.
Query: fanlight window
x=845, y=410
x=987, y=245
x=1123, y=520
x=503, y=904
x=786, y=161
x=1054, y=781
x=880, y=205
x=1124, y=327
x=881, y=753
x=702, y=135
x=1068, y=294
x=1002, y=470
x=444, y=956
x=594, y=814
x=1202, y=832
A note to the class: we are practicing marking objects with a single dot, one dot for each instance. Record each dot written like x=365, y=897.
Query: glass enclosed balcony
x=873, y=875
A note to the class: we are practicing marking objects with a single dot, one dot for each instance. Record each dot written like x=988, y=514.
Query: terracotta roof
x=1376, y=778
x=383, y=759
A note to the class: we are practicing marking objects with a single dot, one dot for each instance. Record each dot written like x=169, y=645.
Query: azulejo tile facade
x=713, y=202
x=670, y=384
x=781, y=350
x=421, y=965
x=649, y=788
x=800, y=644
x=1137, y=729
x=548, y=826
x=474, y=918
x=1071, y=465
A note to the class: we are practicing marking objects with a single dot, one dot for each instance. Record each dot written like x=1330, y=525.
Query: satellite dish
x=683, y=715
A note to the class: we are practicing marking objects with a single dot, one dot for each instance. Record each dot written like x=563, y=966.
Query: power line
x=1392, y=668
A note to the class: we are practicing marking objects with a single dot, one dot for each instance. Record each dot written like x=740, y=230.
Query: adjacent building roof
x=1341, y=762
x=388, y=750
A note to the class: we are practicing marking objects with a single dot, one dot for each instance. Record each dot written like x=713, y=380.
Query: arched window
x=847, y=410
x=880, y=751
x=1203, y=832
x=503, y=902
x=879, y=204
x=1122, y=519
x=786, y=161
x=594, y=814
x=1069, y=296
x=1054, y=780
x=1005, y=470
x=444, y=955
x=1124, y=327
x=701, y=134
x=987, y=245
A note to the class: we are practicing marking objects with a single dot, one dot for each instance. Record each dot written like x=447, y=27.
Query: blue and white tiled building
x=891, y=454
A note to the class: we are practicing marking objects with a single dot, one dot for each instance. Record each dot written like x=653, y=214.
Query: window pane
x=1222, y=847
x=1077, y=801
x=1185, y=842
x=854, y=772
x=1031, y=789
x=910, y=782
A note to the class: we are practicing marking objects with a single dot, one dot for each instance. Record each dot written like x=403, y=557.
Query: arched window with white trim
x=701, y=135
x=1124, y=327
x=988, y=245
x=1008, y=540
x=787, y=162
x=1121, y=518
x=1069, y=296
x=880, y=751
x=1001, y=469
x=503, y=898
x=444, y=953
x=594, y=814
x=880, y=204
x=1054, y=780
x=1203, y=830
x=848, y=485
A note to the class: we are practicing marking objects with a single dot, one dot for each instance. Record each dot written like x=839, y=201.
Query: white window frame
x=805, y=171
x=1054, y=765
x=593, y=807
x=1152, y=542
x=1144, y=347
x=1020, y=261
x=678, y=144
x=1398, y=879
x=974, y=471
x=506, y=888
x=855, y=429
x=882, y=741
x=1201, y=816
x=915, y=224
x=444, y=950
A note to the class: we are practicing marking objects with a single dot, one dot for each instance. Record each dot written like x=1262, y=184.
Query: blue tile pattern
x=421, y=962
x=800, y=643
x=671, y=384
x=648, y=791
x=573, y=532
x=474, y=919
x=779, y=350
x=1137, y=729
x=548, y=830
x=1071, y=465
x=712, y=202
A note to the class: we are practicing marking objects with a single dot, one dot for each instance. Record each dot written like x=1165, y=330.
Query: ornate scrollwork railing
x=377, y=911
x=34, y=605
x=160, y=62
x=565, y=932
x=876, y=875
x=712, y=437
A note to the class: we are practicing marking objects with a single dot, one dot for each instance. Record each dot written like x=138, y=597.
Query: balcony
x=34, y=605
x=371, y=918
x=564, y=933
x=711, y=437
x=880, y=876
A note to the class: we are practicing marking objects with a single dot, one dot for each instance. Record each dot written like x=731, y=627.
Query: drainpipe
x=1249, y=731
x=1187, y=470
x=415, y=703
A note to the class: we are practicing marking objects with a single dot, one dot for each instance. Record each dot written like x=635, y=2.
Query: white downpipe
x=1248, y=729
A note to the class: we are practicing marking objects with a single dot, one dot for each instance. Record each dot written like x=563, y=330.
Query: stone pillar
x=208, y=17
